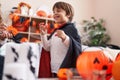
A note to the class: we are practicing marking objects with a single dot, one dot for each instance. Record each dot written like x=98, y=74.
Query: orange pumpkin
x=41, y=13
x=116, y=70
x=62, y=73
x=50, y=16
x=24, y=39
x=89, y=61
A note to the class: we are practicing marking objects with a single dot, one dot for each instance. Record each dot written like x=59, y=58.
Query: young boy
x=64, y=44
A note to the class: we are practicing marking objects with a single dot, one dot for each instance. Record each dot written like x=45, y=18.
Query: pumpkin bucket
x=91, y=61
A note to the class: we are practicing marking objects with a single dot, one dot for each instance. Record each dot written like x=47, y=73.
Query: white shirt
x=57, y=48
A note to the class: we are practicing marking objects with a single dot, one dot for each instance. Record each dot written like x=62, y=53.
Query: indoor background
x=109, y=10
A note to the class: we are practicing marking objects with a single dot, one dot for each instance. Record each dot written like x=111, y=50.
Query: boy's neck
x=61, y=25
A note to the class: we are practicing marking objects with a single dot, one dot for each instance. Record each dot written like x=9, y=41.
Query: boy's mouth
x=56, y=17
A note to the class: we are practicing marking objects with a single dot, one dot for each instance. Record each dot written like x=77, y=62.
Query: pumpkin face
x=89, y=61
x=62, y=73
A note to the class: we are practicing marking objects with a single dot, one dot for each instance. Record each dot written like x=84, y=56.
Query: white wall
x=110, y=11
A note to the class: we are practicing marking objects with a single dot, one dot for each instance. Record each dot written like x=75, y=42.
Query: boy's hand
x=61, y=34
x=42, y=28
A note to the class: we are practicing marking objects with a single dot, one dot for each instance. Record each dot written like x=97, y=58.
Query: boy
x=64, y=44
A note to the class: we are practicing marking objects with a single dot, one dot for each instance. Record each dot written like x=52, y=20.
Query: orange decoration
x=62, y=73
x=15, y=18
x=50, y=16
x=23, y=4
x=22, y=26
x=37, y=31
x=90, y=61
x=37, y=41
x=41, y=13
x=51, y=27
x=34, y=24
x=118, y=57
x=116, y=70
x=19, y=26
x=26, y=22
x=24, y=40
x=12, y=29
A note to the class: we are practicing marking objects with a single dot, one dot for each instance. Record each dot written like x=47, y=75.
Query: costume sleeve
x=74, y=47
x=45, y=42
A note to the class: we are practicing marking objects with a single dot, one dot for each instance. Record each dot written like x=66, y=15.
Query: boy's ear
x=68, y=15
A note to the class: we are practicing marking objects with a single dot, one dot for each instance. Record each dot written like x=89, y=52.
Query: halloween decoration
x=22, y=25
x=41, y=13
x=64, y=73
x=44, y=11
x=12, y=29
x=24, y=39
x=116, y=70
x=89, y=61
x=24, y=8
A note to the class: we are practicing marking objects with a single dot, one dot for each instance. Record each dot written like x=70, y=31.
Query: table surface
x=74, y=78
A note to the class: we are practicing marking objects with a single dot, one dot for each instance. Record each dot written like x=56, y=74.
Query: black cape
x=74, y=48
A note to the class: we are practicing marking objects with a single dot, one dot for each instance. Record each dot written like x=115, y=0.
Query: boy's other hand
x=61, y=34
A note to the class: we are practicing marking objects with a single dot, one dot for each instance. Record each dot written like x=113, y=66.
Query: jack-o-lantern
x=116, y=70
x=89, y=61
x=63, y=73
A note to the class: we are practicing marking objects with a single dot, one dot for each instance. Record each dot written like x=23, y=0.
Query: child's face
x=60, y=16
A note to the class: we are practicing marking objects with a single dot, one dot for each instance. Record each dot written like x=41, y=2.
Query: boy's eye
x=58, y=10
